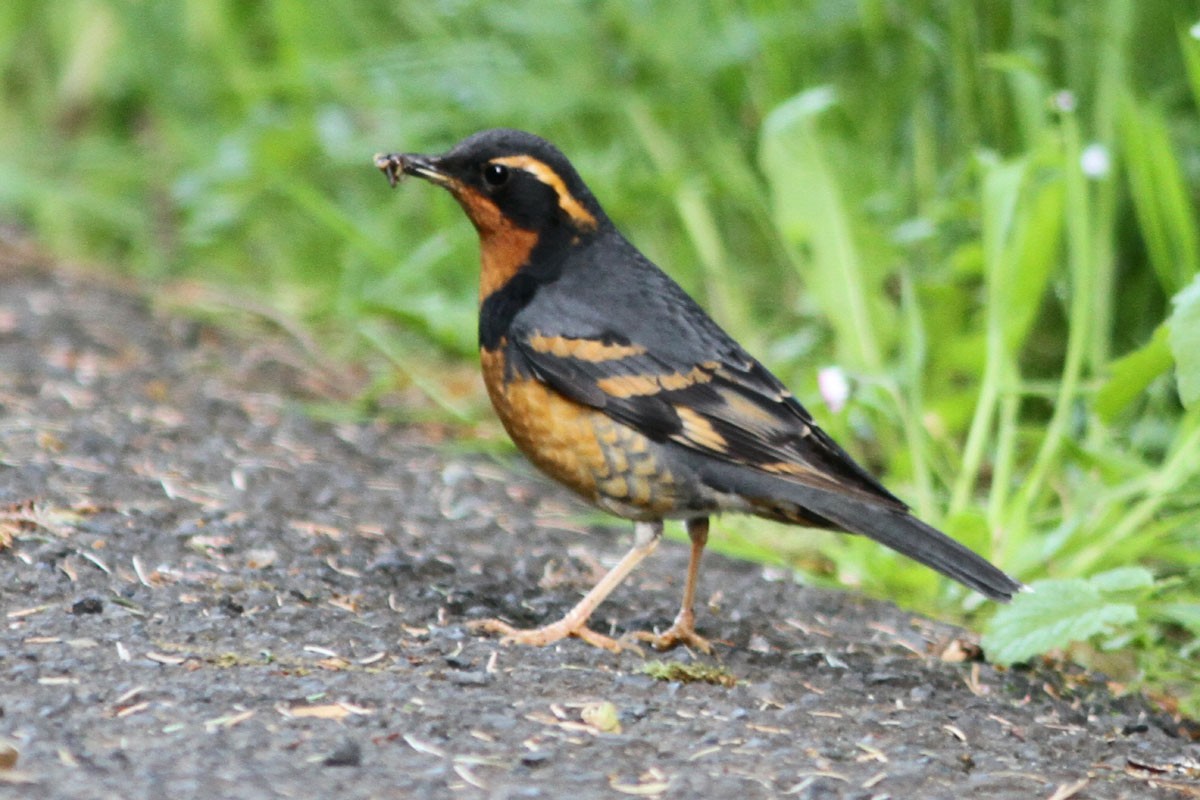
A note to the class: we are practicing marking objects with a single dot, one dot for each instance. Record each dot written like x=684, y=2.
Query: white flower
x=834, y=387
x=1064, y=101
x=1095, y=161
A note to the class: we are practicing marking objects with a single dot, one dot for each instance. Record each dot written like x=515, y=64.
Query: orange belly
x=605, y=462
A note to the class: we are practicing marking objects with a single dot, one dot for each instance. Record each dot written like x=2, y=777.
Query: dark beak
x=396, y=165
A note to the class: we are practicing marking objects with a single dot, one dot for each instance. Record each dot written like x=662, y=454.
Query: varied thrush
x=614, y=382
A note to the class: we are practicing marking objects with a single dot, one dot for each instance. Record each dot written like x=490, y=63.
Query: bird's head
x=506, y=179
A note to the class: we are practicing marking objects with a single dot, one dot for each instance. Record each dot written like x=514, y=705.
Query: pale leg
x=682, y=630
x=645, y=539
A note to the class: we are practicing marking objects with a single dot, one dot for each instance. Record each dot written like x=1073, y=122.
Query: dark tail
x=906, y=534
x=882, y=521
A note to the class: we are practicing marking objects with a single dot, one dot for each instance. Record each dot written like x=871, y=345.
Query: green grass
x=892, y=187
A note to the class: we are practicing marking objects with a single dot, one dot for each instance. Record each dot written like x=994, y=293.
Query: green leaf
x=1055, y=614
x=1122, y=579
x=1159, y=189
x=448, y=321
x=1132, y=373
x=1185, y=341
x=1185, y=614
x=1034, y=252
x=813, y=212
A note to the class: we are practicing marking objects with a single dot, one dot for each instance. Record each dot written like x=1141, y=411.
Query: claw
x=646, y=536
x=681, y=632
x=549, y=634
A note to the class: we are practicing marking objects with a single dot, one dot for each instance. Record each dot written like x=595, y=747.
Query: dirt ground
x=208, y=594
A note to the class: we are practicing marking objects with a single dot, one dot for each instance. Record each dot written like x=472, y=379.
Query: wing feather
x=728, y=407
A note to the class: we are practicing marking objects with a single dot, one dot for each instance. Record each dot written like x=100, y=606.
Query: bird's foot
x=549, y=634
x=681, y=632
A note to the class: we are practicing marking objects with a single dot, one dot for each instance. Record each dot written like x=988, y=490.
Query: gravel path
x=207, y=594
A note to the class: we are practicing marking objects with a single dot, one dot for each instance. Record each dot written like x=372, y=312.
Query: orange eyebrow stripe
x=544, y=173
x=590, y=350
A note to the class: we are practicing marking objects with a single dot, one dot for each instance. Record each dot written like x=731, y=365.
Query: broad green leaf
x=1022, y=210
x=1160, y=195
x=1132, y=373
x=813, y=214
x=1035, y=253
x=1001, y=189
x=1185, y=341
x=1055, y=614
x=1185, y=614
x=1122, y=579
x=448, y=321
x=1191, y=58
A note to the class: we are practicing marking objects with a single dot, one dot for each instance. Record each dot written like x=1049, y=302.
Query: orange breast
x=608, y=463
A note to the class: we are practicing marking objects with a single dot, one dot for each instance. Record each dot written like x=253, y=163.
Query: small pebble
x=87, y=605
x=230, y=606
x=883, y=677
x=346, y=754
x=459, y=661
x=8, y=754
x=469, y=678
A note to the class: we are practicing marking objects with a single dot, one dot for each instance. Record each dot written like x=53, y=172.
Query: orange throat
x=504, y=248
x=502, y=253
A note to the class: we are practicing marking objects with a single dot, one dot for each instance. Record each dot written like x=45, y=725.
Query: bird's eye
x=495, y=175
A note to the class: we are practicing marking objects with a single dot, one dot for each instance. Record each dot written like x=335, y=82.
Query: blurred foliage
x=984, y=213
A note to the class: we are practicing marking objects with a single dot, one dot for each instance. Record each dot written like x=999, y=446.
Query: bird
x=613, y=381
